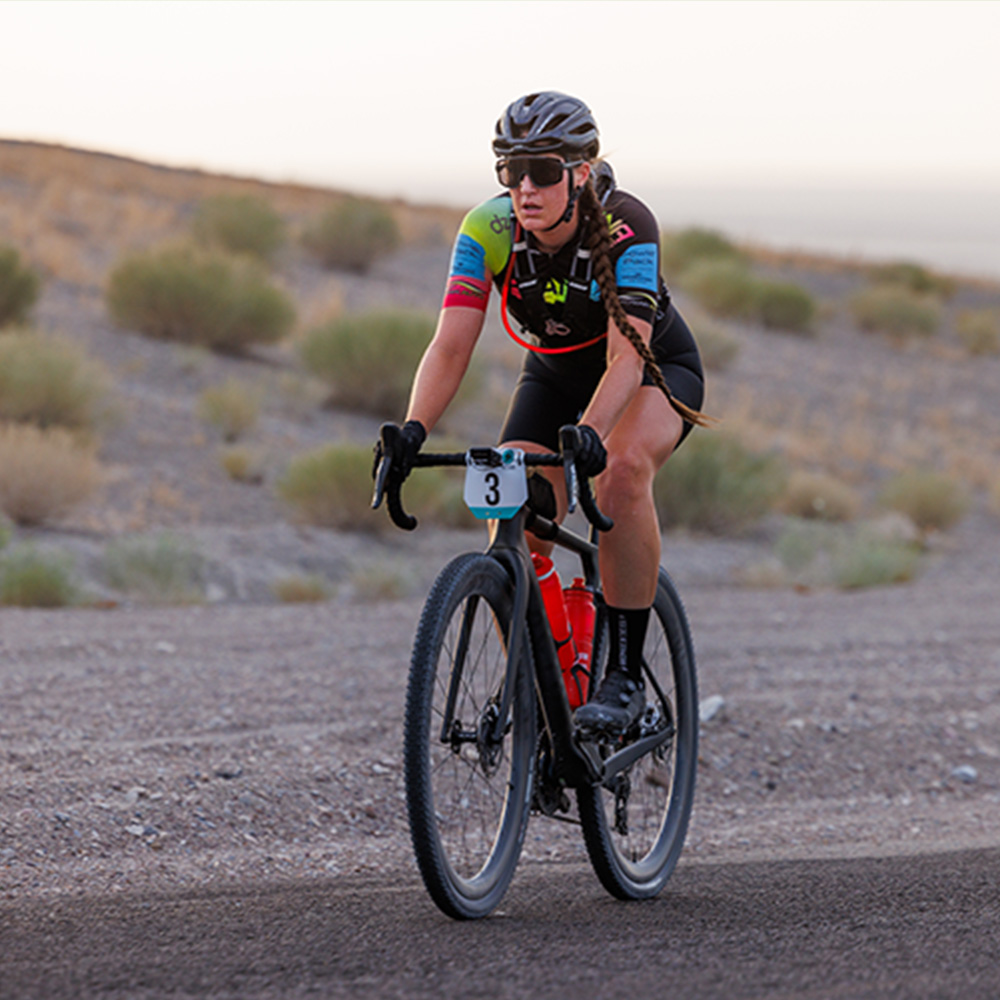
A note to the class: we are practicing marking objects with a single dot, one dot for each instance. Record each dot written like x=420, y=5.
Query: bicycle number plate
x=496, y=484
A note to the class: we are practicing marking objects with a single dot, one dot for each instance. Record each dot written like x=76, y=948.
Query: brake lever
x=388, y=438
x=578, y=487
x=569, y=438
x=388, y=486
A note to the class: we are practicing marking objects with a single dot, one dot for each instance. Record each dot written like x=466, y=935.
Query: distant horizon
x=950, y=228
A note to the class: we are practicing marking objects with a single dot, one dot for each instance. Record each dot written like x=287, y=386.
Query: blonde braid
x=597, y=238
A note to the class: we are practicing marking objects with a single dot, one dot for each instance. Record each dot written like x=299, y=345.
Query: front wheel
x=634, y=825
x=468, y=761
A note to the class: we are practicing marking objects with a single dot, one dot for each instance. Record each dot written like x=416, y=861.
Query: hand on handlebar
x=584, y=456
x=591, y=455
x=408, y=441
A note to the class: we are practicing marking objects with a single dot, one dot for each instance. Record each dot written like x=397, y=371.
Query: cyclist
x=576, y=262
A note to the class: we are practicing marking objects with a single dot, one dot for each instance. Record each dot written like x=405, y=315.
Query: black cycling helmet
x=547, y=122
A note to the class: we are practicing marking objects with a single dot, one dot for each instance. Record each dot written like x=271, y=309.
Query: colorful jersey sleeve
x=635, y=250
x=481, y=251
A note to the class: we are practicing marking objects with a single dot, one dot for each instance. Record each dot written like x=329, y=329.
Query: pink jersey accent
x=462, y=290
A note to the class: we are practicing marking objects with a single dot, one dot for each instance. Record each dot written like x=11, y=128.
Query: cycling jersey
x=554, y=297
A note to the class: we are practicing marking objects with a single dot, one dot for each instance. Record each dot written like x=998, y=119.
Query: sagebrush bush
x=823, y=554
x=933, y=501
x=782, y=305
x=43, y=473
x=157, y=570
x=723, y=287
x=301, y=589
x=19, y=287
x=231, y=408
x=369, y=359
x=819, y=496
x=242, y=464
x=896, y=311
x=979, y=330
x=50, y=382
x=679, y=250
x=914, y=277
x=715, y=484
x=198, y=297
x=239, y=224
x=32, y=579
x=867, y=562
x=352, y=234
x=332, y=488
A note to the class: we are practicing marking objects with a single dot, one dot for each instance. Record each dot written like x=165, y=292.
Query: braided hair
x=597, y=238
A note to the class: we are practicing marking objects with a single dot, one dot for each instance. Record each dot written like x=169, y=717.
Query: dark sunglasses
x=544, y=171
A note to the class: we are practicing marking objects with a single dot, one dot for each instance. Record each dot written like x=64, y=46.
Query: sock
x=627, y=627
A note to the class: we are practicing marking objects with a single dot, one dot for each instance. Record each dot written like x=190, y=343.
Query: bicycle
x=489, y=736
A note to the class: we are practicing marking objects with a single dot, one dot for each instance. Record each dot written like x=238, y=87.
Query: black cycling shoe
x=617, y=704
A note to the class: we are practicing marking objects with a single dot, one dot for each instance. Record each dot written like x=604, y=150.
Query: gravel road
x=166, y=748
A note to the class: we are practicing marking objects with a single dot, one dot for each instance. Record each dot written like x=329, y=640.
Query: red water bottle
x=555, y=609
x=582, y=615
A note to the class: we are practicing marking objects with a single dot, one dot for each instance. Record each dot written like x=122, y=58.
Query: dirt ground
x=163, y=748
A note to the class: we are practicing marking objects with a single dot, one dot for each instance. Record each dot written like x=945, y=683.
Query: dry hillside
x=854, y=406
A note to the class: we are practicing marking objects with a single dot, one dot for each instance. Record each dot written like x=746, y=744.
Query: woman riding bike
x=576, y=262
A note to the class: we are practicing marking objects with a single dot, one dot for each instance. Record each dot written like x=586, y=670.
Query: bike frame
x=577, y=762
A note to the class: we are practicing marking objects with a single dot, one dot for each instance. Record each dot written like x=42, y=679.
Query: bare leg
x=641, y=442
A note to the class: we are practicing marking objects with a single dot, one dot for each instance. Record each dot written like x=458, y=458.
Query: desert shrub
x=868, y=562
x=680, y=250
x=159, y=570
x=368, y=359
x=782, y=305
x=19, y=287
x=896, y=311
x=332, y=488
x=352, y=234
x=979, y=330
x=714, y=483
x=242, y=465
x=931, y=500
x=230, y=407
x=819, y=496
x=32, y=579
x=50, y=382
x=914, y=277
x=723, y=287
x=301, y=589
x=43, y=473
x=823, y=554
x=239, y=224
x=718, y=347
x=198, y=297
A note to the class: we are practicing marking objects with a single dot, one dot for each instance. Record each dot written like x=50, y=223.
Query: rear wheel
x=468, y=762
x=634, y=825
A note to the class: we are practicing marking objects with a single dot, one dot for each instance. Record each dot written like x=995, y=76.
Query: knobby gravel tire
x=634, y=859
x=468, y=798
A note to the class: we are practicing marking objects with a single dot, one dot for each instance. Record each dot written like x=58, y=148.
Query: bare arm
x=444, y=364
x=620, y=382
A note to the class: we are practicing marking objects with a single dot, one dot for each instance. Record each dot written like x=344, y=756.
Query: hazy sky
x=401, y=97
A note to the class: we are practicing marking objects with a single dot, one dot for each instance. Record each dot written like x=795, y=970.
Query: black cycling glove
x=592, y=457
x=411, y=439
